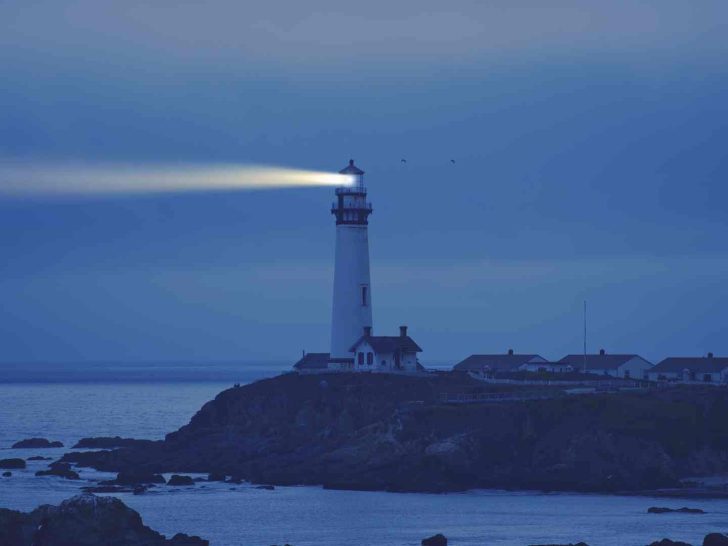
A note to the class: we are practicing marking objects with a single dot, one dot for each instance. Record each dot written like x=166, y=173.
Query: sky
x=590, y=164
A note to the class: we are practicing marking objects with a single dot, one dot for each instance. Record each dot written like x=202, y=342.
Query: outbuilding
x=499, y=363
x=701, y=369
x=623, y=365
x=551, y=367
x=312, y=363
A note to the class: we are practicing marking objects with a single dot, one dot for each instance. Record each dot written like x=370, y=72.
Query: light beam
x=27, y=179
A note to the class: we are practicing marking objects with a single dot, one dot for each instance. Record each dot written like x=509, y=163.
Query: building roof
x=699, y=364
x=389, y=344
x=601, y=361
x=499, y=362
x=351, y=169
x=313, y=361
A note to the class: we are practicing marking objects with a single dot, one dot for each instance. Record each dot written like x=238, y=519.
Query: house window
x=370, y=359
x=364, y=296
x=626, y=374
x=707, y=378
x=360, y=359
x=384, y=362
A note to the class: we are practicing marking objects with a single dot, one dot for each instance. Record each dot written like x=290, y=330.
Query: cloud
x=225, y=35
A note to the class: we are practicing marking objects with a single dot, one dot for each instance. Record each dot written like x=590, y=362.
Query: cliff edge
x=390, y=432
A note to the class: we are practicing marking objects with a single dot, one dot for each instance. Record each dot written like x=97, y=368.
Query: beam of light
x=28, y=179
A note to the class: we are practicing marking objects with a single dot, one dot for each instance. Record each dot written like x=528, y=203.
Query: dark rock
x=216, y=477
x=39, y=443
x=140, y=489
x=715, y=539
x=60, y=472
x=266, y=487
x=668, y=542
x=106, y=489
x=184, y=540
x=58, y=465
x=178, y=480
x=110, y=442
x=683, y=510
x=12, y=463
x=236, y=480
x=7, y=474
x=577, y=544
x=435, y=540
x=135, y=477
x=38, y=458
x=84, y=520
x=391, y=432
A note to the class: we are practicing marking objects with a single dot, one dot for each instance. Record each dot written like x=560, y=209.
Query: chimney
x=710, y=355
x=510, y=351
x=402, y=331
x=367, y=331
x=602, y=352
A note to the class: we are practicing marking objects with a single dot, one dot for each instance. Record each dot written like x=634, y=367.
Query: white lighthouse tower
x=352, y=308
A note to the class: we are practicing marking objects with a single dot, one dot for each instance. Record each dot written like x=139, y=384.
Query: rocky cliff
x=392, y=433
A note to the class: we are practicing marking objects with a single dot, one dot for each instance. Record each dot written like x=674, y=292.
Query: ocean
x=147, y=401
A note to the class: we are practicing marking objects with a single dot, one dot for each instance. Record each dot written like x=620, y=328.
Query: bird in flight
x=452, y=161
x=403, y=160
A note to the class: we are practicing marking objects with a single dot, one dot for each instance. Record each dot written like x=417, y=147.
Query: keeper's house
x=701, y=369
x=627, y=366
x=386, y=353
x=499, y=363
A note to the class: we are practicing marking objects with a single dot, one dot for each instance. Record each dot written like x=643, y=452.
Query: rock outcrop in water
x=61, y=470
x=110, y=442
x=135, y=477
x=84, y=520
x=435, y=540
x=389, y=432
x=14, y=464
x=66, y=473
x=177, y=480
x=36, y=443
x=683, y=510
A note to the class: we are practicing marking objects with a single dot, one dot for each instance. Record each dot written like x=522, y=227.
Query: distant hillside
x=392, y=433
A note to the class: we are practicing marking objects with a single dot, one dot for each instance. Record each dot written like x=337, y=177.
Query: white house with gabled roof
x=385, y=353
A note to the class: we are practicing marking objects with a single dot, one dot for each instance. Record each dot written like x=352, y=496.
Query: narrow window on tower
x=364, y=296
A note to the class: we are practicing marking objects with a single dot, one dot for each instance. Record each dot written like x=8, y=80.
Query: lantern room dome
x=351, y=169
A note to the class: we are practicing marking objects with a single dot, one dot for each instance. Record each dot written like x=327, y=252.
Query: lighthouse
x=354, y=347
x=352, y=304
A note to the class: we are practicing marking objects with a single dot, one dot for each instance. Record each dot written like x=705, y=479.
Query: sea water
x=130, y=402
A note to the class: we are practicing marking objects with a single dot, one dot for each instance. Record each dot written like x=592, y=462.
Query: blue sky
x=589, y=141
